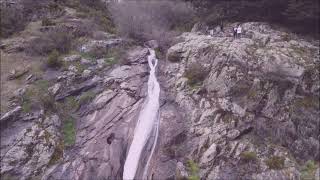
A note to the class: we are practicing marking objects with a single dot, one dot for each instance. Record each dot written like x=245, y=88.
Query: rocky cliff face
x=248, y=102
x=243, y=108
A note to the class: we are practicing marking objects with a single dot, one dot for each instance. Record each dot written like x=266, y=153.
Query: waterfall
x=148, y=121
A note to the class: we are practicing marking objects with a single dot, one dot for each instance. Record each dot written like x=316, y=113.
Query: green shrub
x=193, y=170
x=308, y=170
x=275, y=162
x=47, y=102
x=196, y=74
x=69, y=132
x=27, y=100
x=36, y=97
x=42, y=85
x=71, y=104
x=248, y=156
x=53, y=60
x=57, y=154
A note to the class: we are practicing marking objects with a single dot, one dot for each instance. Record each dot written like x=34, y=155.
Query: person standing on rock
x=235, y=32
x=239, y=31
x=211, y=32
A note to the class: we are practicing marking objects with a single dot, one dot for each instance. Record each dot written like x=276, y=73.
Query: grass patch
x=71, y=104
x=88, y=55
x=275, y=162
x=193, y=170
x=86, y=97
x=27, y=101
x=38, y=95
x=69, y=132
x=42, y=85
x=248, y=156
x=308, y=171
x=111, y=61
x=307, y=102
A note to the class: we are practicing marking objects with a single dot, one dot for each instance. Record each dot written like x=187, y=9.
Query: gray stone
x=233, y=134
x=86, y=73
x=100, y=44
x=86, y=61
x=14, y=113
x=72, y=58
x=73, y=69
x=75, y=90
x=209, y=154
x=54, y=90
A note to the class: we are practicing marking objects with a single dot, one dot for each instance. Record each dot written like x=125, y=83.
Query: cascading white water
x=148, y=121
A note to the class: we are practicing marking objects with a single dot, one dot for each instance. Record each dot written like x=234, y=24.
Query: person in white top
x=211, y=32
x=239, y=31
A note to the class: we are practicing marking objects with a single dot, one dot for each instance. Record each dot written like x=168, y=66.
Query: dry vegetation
x=146, y=20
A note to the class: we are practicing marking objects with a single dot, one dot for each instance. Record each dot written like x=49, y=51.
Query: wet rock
x=124, y=72
x=137, y=55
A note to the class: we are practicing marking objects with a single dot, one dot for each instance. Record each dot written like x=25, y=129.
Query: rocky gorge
x=245, y=108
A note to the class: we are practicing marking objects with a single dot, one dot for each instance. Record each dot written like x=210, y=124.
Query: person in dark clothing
x=235, y=32
x=221, y=26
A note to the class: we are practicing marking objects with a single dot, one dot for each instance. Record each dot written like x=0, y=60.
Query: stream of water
x=147, y=125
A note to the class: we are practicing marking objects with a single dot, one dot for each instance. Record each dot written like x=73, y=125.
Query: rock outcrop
x=260, y=94
x=244, y=108
x=106, y=125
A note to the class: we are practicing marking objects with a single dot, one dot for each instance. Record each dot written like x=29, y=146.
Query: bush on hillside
x=146, y=20
x=248, y=156
x=59, y=39
x=53, y=60
x=275, y=162
x=12, y=20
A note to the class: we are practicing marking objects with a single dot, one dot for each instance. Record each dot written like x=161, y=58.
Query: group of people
x=237, y=32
